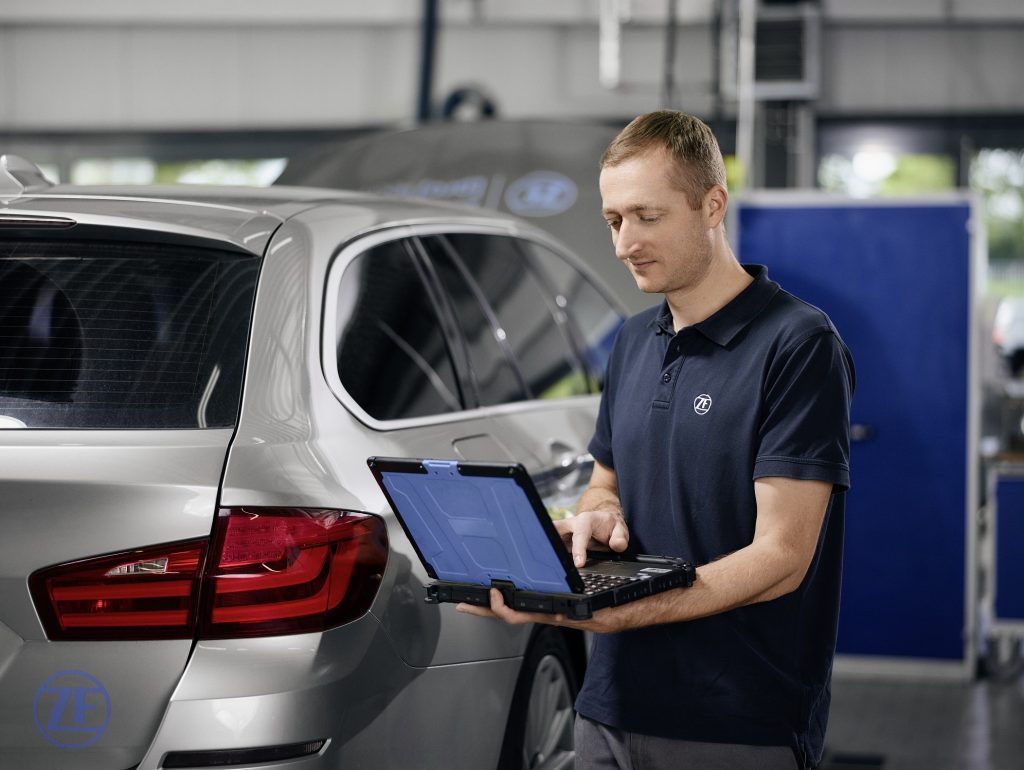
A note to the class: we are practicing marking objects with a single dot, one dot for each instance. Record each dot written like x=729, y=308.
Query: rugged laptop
x=480, y=525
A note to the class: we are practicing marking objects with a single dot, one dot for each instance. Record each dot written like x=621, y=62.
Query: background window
x=881, y=171
x=997, y=175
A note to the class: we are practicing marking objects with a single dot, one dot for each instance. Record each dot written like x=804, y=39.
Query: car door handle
x=567, y=469
x=566, y=460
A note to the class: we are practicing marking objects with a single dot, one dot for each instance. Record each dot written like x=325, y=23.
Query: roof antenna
x=18, y=176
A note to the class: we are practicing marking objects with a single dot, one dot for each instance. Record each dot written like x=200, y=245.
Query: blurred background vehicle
x=1008, y=332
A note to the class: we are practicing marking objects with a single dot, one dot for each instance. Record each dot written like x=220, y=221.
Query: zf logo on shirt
x=702, y=404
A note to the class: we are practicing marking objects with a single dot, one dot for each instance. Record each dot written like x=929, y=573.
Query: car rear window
x=122, y=335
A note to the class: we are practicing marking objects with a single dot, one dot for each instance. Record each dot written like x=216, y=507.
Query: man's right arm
x=599, y=520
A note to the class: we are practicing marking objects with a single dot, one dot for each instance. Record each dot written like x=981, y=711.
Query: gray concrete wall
x=237, y=64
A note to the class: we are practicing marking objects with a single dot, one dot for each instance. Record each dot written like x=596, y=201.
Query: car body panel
x=356, y=692
x=71, y=495
x=243, y=217
x=245, y=229
x=37, y=728
x=77, y=494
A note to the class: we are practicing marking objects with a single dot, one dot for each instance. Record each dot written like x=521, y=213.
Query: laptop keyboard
x=594, y=583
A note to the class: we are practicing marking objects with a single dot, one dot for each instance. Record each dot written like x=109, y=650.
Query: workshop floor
x=925, y=726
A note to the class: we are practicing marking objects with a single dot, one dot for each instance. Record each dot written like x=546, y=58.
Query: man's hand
x=600, y=523
x=593, y=529
x=604, y=621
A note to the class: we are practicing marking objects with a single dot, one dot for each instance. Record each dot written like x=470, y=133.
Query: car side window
x=393, y=354
x=593, y=320
x=517, y=347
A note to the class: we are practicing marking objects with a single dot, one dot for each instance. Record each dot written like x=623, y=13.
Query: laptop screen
x=475, y=529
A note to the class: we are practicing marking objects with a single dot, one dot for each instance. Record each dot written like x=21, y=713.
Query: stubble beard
x=698, y=266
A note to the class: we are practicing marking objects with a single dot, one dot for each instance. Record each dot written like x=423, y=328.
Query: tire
x=538, y=735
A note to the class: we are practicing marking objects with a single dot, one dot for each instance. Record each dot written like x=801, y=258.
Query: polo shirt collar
x=726, y=323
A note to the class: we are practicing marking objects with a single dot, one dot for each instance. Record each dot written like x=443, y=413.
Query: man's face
x=666, y=245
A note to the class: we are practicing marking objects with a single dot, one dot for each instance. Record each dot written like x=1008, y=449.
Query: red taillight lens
x=146, y=594
x=271, y=571
x=290, y=570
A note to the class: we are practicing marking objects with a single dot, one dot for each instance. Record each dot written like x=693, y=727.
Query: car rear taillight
x=151, y=593
x=290, y=570
x=270, y=571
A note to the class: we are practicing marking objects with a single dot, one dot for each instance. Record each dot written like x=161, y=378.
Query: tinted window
x=593, y=320
x=520, y=349
x=496, y=377
x=393, y=358
x=122, y=335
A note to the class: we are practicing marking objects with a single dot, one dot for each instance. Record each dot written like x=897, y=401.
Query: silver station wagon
x=197, y=568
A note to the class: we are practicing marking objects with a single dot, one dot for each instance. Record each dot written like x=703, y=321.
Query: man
x=723, y=438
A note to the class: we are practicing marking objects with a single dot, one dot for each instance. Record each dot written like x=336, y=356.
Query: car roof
x=243, y=218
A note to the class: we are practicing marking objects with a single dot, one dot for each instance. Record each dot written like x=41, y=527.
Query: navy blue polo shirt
x=688, y=421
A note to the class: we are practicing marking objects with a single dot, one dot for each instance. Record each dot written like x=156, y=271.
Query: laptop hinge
x=438, y=467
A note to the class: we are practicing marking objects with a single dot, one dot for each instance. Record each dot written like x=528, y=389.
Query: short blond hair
x=699, y=164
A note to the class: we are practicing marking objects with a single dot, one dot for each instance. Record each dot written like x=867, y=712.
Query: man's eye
x=648, y=219
x=613, y=224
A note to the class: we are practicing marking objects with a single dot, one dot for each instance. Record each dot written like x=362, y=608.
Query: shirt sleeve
x=805, y=430
x=601, y=444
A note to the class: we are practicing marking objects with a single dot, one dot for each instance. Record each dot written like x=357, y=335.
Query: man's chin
x=645, y=282
x=646, y=286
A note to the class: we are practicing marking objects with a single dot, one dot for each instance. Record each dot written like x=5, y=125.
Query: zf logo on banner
x=72, y=709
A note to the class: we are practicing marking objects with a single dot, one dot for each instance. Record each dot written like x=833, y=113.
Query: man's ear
x=716, y=201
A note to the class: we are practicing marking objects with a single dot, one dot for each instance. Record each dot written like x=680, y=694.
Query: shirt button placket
x=673, y=362
x=668, y=379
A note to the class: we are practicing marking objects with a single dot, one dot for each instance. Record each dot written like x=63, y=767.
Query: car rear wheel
x=539, y=731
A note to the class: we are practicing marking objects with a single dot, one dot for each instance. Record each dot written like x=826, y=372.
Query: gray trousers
x=599, y=747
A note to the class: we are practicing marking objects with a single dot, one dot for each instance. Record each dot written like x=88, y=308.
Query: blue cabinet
x=1006, y=504
x=898, y=279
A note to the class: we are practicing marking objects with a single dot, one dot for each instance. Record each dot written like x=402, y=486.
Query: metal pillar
x=428, y=46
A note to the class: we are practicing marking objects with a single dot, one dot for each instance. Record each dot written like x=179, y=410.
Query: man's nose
x=626, y=243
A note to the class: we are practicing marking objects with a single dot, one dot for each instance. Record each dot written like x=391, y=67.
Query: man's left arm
x=790, y=513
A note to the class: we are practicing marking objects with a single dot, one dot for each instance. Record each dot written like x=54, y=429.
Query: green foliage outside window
x=879, y=172
x=998, y=177
x=920, y=174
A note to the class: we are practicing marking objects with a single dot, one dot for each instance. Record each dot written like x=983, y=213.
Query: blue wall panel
x=895, y=279
x=1009, y=577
